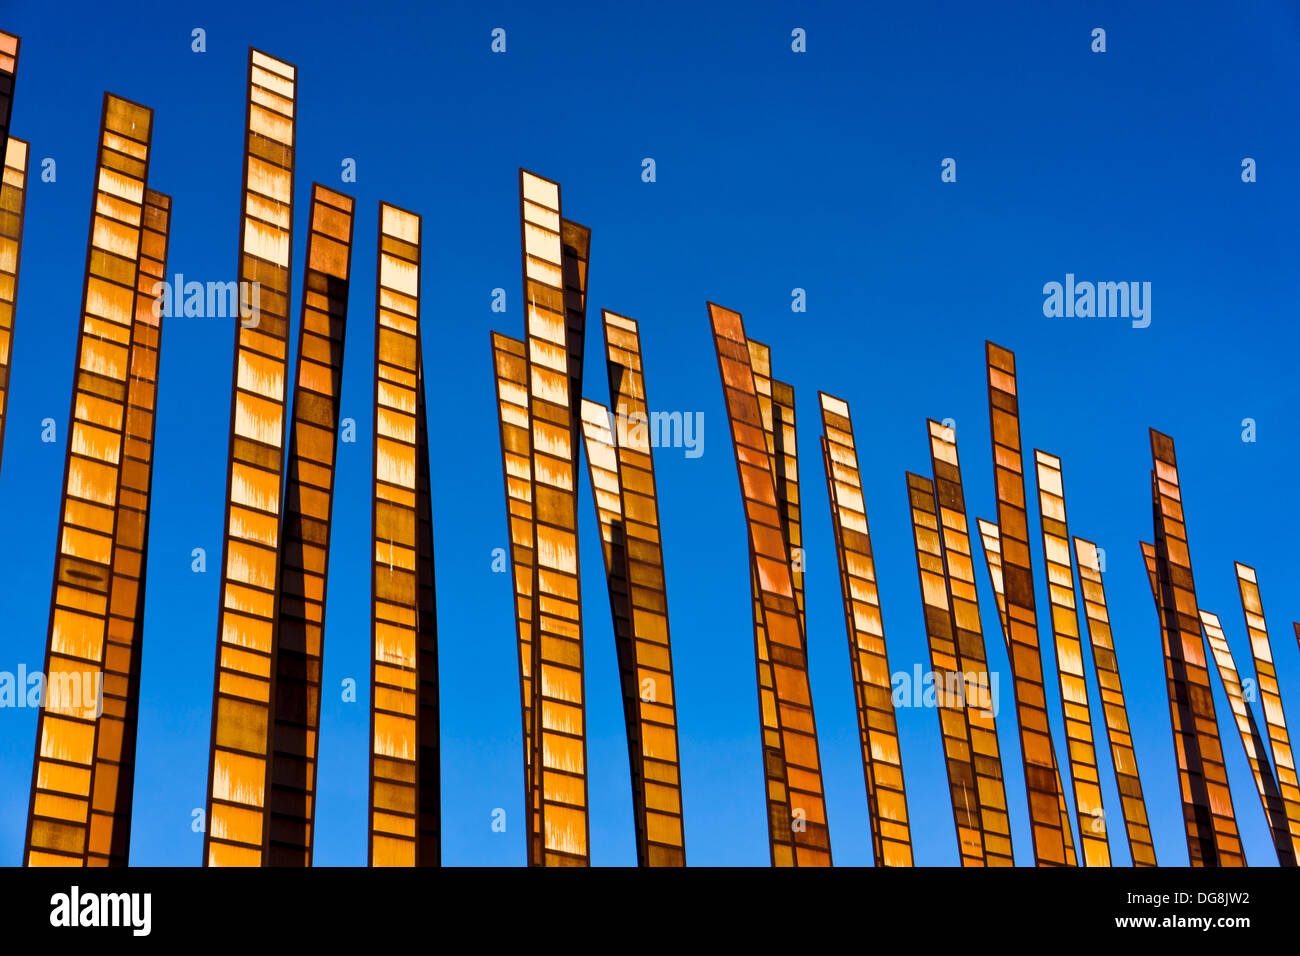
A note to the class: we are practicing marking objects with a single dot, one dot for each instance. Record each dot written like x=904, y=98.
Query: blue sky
x=775, y=170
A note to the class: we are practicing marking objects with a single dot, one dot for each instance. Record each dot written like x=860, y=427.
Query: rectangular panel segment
x=968, y=635
x=559, y=723
x=1252, y=741
x=949, y=678
x=882, y=764
x=304, y=556
x=239, y=770
x=1211, y=823
x=9, y=47
x=113, y=776
x=782, y=621
x=1270, y=696
x=1042, y=783
x=13, y=199
x=993, y=561
x=75, y=658
x=779, y=819
x=650, y=665
x=1180, y=720
x=1071, y=676
x=404, y=793
x=1133, y=806
x=510, y=364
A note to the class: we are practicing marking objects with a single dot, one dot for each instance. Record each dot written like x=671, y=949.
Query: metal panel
x=949, y=678
x=1042, y=781
x=993, y=561
x=1211, y=823
x=968, y=635
x=1115, y=712
x=1270, y=696
x=239, y=769
x=304, y=557
x=9, y=48
x=559, y=724
x=404, y=771
x=783, y=628
x=882, y=763
x=1252, y=741
x=13, y=197
x=645, y=659
x=779, y=817
x=1081, y=749
x=510, y=365
x=58, y=816
x=1178, y=715
x=113, y=775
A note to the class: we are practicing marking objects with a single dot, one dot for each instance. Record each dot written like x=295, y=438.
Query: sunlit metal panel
x=304, y=557
x=1179, y=716
x=783, y=627
x=1270, y=696
x=776, y=404
x=9, y=46
x=1133, y=806
x=993, y=561
x=58, y=816
x=606, y=489
x=559, y=710
x=779, y=818
x=1211, y=823
x=1081, y=749
x=404, y=778
x=968, y=634
x=783, y=452
x=945, y=665
x=882, y=764
x=113, y=774
x=1042, y=784
x=13, y=197
x=510, y=365
x=648, y=685
x=239, y=769
x=1247, y=727
x=1252, y=741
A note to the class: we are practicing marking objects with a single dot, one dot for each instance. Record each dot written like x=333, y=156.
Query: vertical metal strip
x=1081, y=750
x=782, y=623
x=238, y=770
x=1207, y=798
x=949, y=678
x=67, y=725
x=1252, y=741
x=991, y=542
x=1270, y=696
x=113, y=776
x=559, y=708
x=968, y=632
x=304, y=555
x=882, y=764
x=1042, y=777
x=1137, y=826
x=655, y=693
x=13, y=200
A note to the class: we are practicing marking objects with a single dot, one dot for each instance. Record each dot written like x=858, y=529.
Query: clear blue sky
x=775, y=170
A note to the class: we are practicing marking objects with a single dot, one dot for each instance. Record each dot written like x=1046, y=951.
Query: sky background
x=775, y=170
